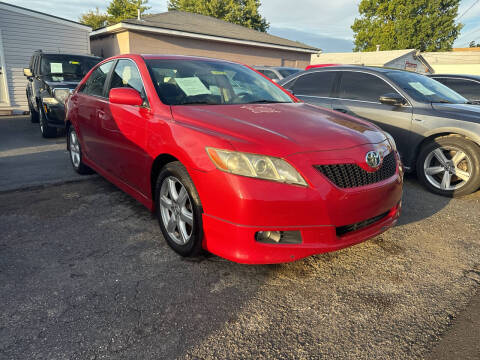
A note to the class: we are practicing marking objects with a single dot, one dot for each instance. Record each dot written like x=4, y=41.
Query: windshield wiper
x=443, y=101
x=265, y=101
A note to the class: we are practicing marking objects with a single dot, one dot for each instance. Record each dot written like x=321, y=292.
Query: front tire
x=46, y=130
x=76, y=153
x=34, y=117
x=450, y=166
x=179, y=210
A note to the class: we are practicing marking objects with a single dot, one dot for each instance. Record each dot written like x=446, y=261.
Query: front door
x=358, y=94
x=123, y=130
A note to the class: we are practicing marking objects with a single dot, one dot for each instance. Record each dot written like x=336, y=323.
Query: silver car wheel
x=448, y=168
x=176, y=210
x=74, y=149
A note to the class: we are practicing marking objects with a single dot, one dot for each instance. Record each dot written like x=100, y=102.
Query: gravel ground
x=85, y=274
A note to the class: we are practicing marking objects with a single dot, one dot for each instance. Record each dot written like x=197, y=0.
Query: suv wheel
x=33, y=113
x=450, y=166
x=76, y=153
x=46, y=130
x=179, y=210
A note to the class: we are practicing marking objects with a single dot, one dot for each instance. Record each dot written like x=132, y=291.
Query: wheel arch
x=441, y=133
x=157, y=165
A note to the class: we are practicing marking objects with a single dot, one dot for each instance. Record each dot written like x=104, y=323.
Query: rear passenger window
x=362, y=86
x=96, y=81
x=315, y=84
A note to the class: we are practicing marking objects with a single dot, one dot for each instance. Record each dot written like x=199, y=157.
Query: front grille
x=352, y=175
x=342, y=230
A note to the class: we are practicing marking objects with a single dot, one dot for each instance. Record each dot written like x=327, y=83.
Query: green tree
x=94, y=18
x=241, y=12
x=473, y=44
x=117, y=11
x=426, y=25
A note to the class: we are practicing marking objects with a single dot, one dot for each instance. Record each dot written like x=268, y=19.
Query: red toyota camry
x=229, y=161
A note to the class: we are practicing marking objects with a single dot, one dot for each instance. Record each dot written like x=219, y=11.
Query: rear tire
x=449, y=166
x=75, y=152
x=179, y=210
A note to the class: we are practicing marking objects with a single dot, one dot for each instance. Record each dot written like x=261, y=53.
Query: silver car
x=437, y=130
x=276, y=73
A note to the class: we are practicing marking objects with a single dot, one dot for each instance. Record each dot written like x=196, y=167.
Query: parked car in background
x=320, y=66
x=276, y=73
x=230, y=161
x=51, y=78
x=436, y=131
x=466, y=85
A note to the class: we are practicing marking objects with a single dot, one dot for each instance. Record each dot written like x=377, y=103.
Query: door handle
x=341, y=110
x=100, y=114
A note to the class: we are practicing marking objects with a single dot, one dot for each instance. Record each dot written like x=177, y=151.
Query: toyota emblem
x=373, y=159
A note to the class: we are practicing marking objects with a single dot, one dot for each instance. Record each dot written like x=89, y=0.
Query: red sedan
x=229, y=161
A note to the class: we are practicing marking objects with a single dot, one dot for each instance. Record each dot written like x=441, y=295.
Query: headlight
x=50, y=101
x=391, y=140
x=257, y=166
x=61, y=95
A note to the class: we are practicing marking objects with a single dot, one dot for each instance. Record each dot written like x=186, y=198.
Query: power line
x=466, y=11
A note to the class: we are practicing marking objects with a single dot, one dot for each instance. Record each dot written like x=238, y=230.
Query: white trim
x=123, y=26
x=4, y=74
x=24, y=11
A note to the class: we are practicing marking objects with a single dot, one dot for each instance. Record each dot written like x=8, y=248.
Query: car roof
x=276, y=67
x=62, y=54
x=355, y=67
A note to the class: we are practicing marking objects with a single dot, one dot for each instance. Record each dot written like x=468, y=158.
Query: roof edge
x=41, y=15
x=122, y=26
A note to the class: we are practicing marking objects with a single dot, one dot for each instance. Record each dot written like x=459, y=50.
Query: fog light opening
x=279, y=237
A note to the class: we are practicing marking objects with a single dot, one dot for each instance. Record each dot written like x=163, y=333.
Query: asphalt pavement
x=86, y=274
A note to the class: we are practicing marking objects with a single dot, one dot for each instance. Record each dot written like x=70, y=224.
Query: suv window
x=362, y=86
x=96, y=81
x=467, y=88
x=315, y=84
x=126, y=75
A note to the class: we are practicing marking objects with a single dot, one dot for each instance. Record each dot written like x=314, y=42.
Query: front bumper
x=55, y=115
x=236, y=208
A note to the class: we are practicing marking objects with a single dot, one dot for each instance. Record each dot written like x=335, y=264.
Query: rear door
x=314, y=88
x=469, y=89
x=88, y=102
x=358, y=94
x=122, y=130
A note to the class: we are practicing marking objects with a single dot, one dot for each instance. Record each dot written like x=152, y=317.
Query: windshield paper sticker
x=421, y=88
x=192, y=86
x=56, y=68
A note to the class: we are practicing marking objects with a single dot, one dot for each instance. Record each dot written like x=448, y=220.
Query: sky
x=322, y=24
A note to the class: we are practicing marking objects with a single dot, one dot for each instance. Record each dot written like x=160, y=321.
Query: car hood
x=281, y=129
x=62, y=84
x=459, y=111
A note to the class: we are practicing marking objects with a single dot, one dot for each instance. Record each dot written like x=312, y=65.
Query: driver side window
x=126, y=75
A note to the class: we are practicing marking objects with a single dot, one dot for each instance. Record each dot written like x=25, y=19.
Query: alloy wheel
x=448, y=168
x=74, y=149
x=176, y=210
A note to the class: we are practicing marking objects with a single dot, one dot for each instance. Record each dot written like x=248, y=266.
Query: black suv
x=51, y=78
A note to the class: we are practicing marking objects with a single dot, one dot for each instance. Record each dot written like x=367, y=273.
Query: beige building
x=183, y=33
x=408, y=59
x=454, y=62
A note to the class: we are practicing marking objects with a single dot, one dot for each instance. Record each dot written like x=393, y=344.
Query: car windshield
x=288, y=72
x=65, y=67
x=424, y=89
x=186, y=82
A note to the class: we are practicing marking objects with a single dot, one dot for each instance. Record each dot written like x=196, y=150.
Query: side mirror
x=125, y=96
x=27, y=72
x=393, y=99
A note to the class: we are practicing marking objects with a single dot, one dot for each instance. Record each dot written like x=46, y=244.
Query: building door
x=3, y=78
